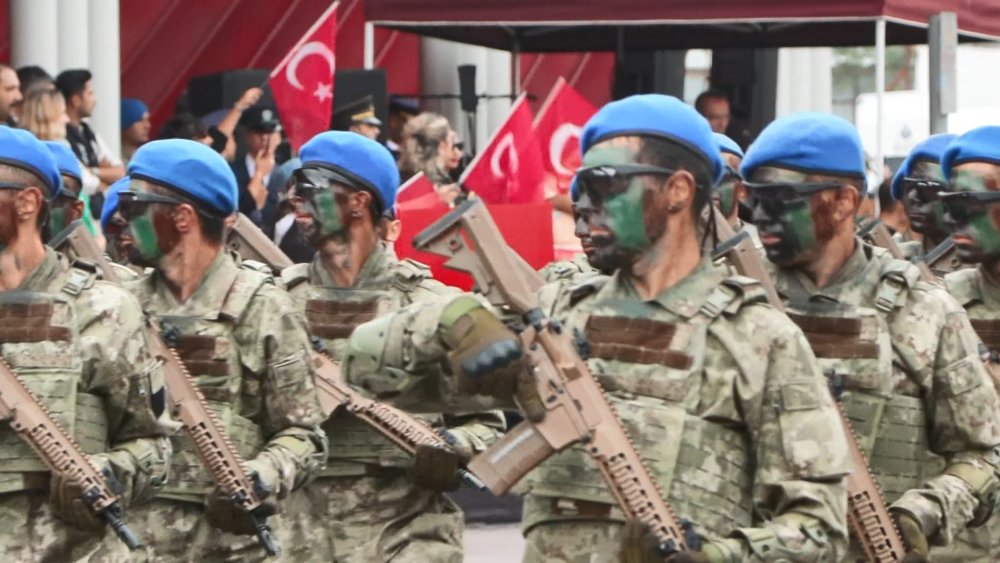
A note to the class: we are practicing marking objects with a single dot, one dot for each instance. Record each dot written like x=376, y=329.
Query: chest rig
x=208, y=348
x=332, y=314
x=853, y=346
x=39, y=339
x=652, y=365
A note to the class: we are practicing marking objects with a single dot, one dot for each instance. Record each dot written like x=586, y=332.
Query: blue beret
x=654, y=115
x=132, y=111
x=21, y=149
x=66, y=161
x=111, y=200
x=816, y=143
x=981, y=144
x=190, y=168
x=930, y=149
x=358, y=158
x=728, y=145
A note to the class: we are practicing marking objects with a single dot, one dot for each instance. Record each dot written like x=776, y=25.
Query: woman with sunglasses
x=901, y=351
x=917, y=184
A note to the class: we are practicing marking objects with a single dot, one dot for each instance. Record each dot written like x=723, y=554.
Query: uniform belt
x=584, y=508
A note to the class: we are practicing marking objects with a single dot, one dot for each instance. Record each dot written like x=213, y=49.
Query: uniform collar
x=372, y=275
x=210, y=295
x=851, y=274
x=988, y=288
x=39, y=279
x=683, y=299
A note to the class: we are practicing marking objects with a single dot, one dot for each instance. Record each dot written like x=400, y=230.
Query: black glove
x=222, y=513
x=66, y=498
x=436, y=468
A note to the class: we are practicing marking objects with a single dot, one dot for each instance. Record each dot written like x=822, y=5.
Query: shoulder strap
x=294, y=275
x=408, y=274
x=895, y=282
x=732, y=294
x=80, y=276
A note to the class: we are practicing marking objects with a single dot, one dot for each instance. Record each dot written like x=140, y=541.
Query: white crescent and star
x=506, y=144
x=557, y=144
x=313, y=48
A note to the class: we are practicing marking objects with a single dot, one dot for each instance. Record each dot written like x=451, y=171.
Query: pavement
x=493, y=543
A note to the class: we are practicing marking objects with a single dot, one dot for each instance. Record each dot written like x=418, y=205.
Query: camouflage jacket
x=384, y=284
x=720, y=392
x=574, y=269
x=934, y=364
x=105, y=359
x=275, y=398
x=942, y=265
x=978, y=291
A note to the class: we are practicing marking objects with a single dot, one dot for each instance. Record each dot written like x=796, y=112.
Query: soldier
x=239, y=335
x=118, y=240
x=719, y=391
x=66, y=205
x=916, y=184
x=730, y=191
x=902, y=350
x=969, y=164
x=88, y=361
x=580, y=266
x=373, y=500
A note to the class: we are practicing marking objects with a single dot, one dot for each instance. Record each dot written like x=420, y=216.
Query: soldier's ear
x=681, y=188
x=360, y=203
x=185, y=218
x=29, y=202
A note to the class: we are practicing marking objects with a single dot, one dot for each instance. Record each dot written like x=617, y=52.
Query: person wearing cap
x=241, y=338
x=917, y=184
x=135, y=126
x=261, y=136
x=401, y=110
x=730, y=191
x=67, y=205
x=119, y=245
x=924, y=409
x=358, y=116
x=80, y=348
x=738, y=430
x=373, y=501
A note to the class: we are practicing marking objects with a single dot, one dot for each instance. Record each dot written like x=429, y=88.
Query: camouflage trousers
x=30, y=532
x=975, y=545
x=374, y=518
x=174, y=531
x=572, y=542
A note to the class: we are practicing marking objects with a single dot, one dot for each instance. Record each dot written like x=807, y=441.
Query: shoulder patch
x=294, y=275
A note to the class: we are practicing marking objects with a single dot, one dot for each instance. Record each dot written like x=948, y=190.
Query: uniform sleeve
x=799, y=444
x=964, y=417
x=120, y=369
x=472, y=434
x=277, y=352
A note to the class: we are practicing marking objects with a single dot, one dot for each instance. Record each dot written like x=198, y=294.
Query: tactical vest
x=853, y=347
x=332, y=314
x=208, y=349
x=652, y=372
x=41, y=342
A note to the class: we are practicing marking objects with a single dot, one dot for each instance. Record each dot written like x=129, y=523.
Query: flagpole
x=493, y=137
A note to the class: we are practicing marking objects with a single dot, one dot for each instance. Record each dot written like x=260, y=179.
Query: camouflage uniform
x=945, y=264
x=980, y=295
x=363, y=505
x=248, y=350
x=90, y=364
x=577, y=268
x=914, y=388
x=720, y=393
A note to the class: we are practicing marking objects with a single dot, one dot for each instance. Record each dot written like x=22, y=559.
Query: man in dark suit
x=261, y=136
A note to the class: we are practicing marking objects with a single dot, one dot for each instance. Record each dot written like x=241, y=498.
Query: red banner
x=558, y=126
x=417, y=192
x=527, y=229
x=509, y=169
x=302, y=84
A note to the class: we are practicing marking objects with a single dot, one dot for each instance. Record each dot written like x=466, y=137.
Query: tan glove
x=640, y=545
x=487, y=357
x=66, y=498
x=222, y=513
x=913, y=537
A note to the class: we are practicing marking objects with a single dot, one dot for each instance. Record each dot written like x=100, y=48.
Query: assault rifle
x=577, y=411
x=207, y=433
x=75, y=242
x=879, y=235
x=252, y=244
x=33, y=423
x=401, y=428
x=867, y=514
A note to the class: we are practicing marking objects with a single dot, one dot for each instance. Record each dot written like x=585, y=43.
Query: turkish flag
x=509, y=169
x=302, y=84
x=417, y=192
x=558, y=126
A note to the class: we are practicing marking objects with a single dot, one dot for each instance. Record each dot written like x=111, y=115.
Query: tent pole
x=879, y=104
x=515, y=67
x=369, y=52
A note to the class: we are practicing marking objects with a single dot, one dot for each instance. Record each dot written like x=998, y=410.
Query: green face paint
x=625, y=217
x=147, y=244
x=726, y=197
x=327, y=213
x=976, y=232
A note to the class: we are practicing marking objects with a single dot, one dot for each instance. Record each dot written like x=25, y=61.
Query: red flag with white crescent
x=302, y=84
x=509, y=169
x=558, y=126
x=416, y=189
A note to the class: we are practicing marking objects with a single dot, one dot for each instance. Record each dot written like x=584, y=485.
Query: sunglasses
x=12, y=185
x=963, y=206
x=309, y=181
x=927, y=190
x=784, y=194
x=608, y=180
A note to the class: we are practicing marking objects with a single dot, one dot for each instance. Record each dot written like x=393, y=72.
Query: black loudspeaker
x=212, y=92
x=351, y=85
x=467, y=87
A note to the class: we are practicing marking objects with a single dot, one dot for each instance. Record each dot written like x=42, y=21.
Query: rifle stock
x=60, y=452
x=252, y=244
x=75, y=241
x=867, y=514
x=577, y=409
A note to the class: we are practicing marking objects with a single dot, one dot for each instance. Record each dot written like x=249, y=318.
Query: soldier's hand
x=222, y=513
x=436, y=468
x=913, y=536
x=66, y=498
x=488, y=359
